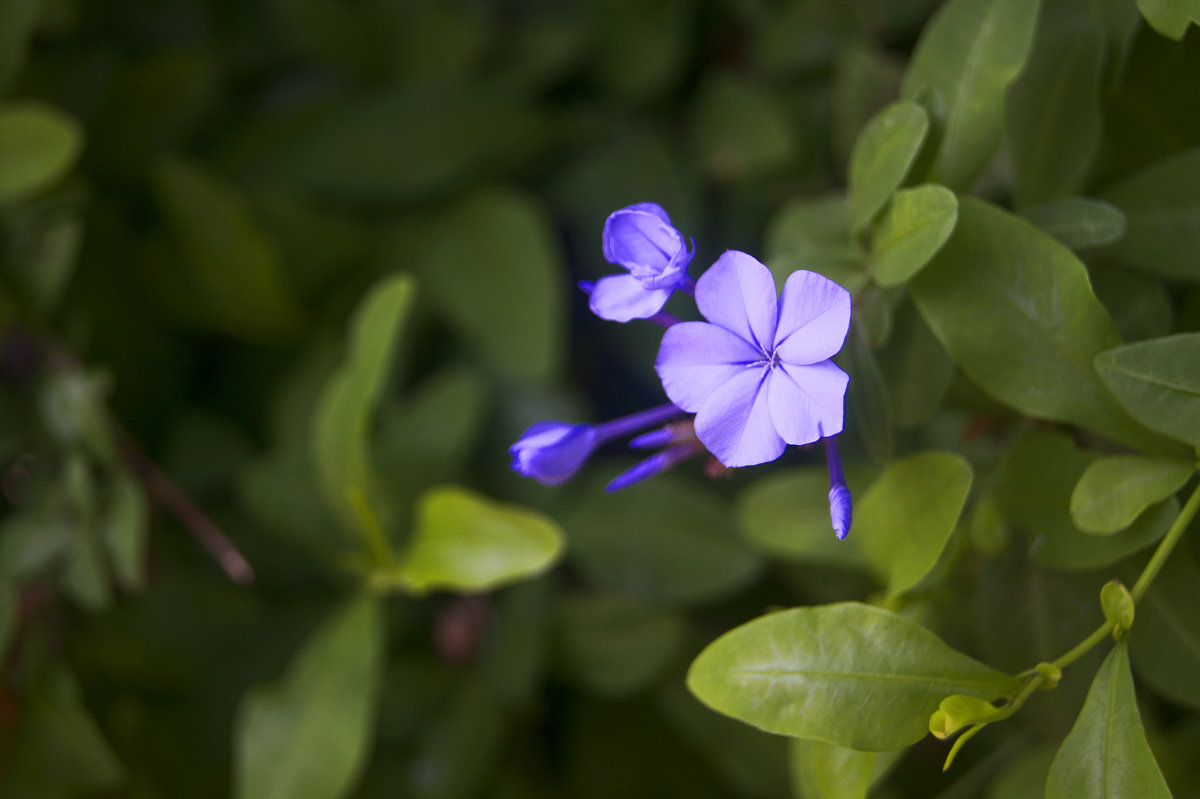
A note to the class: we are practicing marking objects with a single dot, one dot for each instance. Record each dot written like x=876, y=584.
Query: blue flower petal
x=738, y=293
x=807, y=401
x=620, y=298
x=696, y=358
x=735, y=425
x=814, y=315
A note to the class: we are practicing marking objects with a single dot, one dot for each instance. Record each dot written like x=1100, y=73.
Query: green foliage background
x=281, y=281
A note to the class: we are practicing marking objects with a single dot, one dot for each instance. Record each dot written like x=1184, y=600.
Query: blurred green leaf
x=826, y=771
x=666, y=540
x=916, y=370
x=1024, y=776
x=1165, y=642
x=1170, y=17
x=870, y=407
x=1140, y=306
x=493, y=266
x=1114, y=491
x=39, y=145
x=515, y=659
x=864, y=80
x=813, y=234
x=740, y=130
x=786, y=515
x=126, y=531
x=639, y=49
x=308, y=735
x=233, y=269
x=881, y=159
x=847, y=674
x=1161, y=203
x=465, y=542
x=343, y=417
x=18, y=20
x=905, y=518
x=913, y=228
x=1078, y=222
x=1157, y=383
x=968, y=54
x=460, y=748
x=10, y=613
x=45, y=269
x=1106, y=753
x=1022, y=321
x=613, y=646
x=1052, y=113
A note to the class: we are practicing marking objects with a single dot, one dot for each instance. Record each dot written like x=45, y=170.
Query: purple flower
x=641, y=239
x=757, y=374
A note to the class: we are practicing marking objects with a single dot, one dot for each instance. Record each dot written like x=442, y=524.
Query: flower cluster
x=755, y=376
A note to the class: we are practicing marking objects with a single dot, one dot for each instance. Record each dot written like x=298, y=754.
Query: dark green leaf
x=308, y=736
x=864, y=79
x=968, y=55
x=1116, y=490
x=813, y=235
x=10, y=607
x=910, y=232
x=1158, y=383
x=39, y=145
x=916, y=370
x=18, y=19
x=1170, y=17
x=126, y=532
x=1106, y=753
x=881, y=158
x=1078, y=222
x=740, y=131
x=639, y=50
x=847, y=674
x=1140, y=306
x=1015, y=311
x=870, y=408
x=905, y=518
x=1165, y=642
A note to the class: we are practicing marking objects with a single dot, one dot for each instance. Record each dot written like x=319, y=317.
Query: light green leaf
x=1170, y=17
x=493, y=266
x=1118, y=607
x=968, y=55
x=343, y=417
x=881, y=158
x=666, y=540
x=827, y=771
x=308, y=735
x=740, y=131
x=958, y=711
x=1015, y=311
x=786, y=514
x=1161, y=203
x=1052, y=113
x=1078, y=222
x=125, y=532
x=1106, y=753
x=1158, y=383
x=1114, y=491
x=910, y=232
x=39, y=145
x=903, y=521
x=1165, y=642
x=465, y=542
x=613, y=646
x=847, y=674
x=916, y=369
x=233, y=266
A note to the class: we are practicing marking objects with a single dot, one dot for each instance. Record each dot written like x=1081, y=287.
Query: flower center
x=770, y=360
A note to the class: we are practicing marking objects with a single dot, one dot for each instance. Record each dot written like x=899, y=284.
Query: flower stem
x=635, y=422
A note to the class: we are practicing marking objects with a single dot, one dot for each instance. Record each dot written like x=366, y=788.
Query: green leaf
x=958, y=711
x=916, y=370
x=827, y=771
x=1106, y=753
x=10, y=613
x=881, y=159
x=1015, y=311
x=1117, y=604
x=865, y=77
x=813, y=234
x=39, y=145
x=666, y=540
x=1140, y=306
x=870, y=409
x=786, y=514
x=235, y=271
x=18, y=21
x=614, y=646
x=1078, y=222
x=465, y=542
x=910, y=232
x=1158, y=383
x=1161, y=203
x=639, y=51
x=1052, y=113
x=308, y=735
x=343, y=417
x=460, y=746
x=903, y=521
x=740, y=131
x=1165, y=642
x=126, y=532
x=1170, y=17
x=493, y=266
x=968, y=55
x=1114, y=491
x=847, y=674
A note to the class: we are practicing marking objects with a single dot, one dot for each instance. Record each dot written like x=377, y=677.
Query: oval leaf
x=307, y=737
x=1015, y=310
x=848, y=674
x=968, y=55
x=1170, y=17
x=1165, y=642
x=910, y=232
x=1106, y=753
x=881, y=158
x=1114, y=491
x=1078, y=222
x=906, y=517
x=39, y=145
x=824, y=771
x=465, y=542
x=1158, y=383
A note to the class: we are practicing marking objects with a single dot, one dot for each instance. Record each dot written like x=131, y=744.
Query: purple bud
x=841, y=511
x=551, y=452
x=654, y=439
x=642, y=239
x=656, y=464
